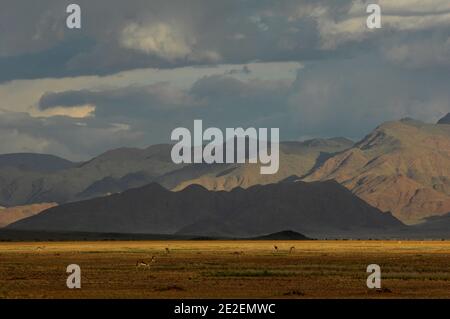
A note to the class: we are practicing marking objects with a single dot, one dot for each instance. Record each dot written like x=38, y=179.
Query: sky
x=138, y=69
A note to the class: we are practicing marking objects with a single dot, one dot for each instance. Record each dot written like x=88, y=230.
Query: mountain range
x=121, y=169
x=401, y=167
x=111, y=172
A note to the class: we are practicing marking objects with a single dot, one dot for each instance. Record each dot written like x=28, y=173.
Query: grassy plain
x=226, y=269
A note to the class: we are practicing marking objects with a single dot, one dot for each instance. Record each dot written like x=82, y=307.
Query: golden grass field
x=226, y=269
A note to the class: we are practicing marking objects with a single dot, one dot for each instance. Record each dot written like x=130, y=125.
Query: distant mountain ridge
x=112, y=171
x=307, y=208
x=124, y=168
x=34, y=162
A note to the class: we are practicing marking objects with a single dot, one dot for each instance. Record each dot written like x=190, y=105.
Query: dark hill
x=283, y=235
x=309, y=208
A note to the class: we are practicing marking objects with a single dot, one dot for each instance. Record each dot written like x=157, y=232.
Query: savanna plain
x=225, y=269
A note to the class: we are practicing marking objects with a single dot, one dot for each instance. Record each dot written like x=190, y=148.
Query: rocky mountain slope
x=13, y=214
x=402, y=167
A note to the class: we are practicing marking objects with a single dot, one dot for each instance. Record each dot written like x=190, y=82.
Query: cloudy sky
x=139, y=68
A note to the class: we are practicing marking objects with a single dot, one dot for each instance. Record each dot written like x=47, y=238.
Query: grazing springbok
x=167, y=250
x=142, y=264
x=291, y=250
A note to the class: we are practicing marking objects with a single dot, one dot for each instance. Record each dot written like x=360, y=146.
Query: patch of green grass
x=249, y=273
x=170, y=288
x=418, y=276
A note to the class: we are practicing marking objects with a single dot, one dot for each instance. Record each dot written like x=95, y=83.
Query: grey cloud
x=218, y=98
x=67, y=99
x=431, y=50
x=60, y=135
x=328, y=98
x=150, y=113
x=159, y=34
x=118, y=35
x=130, y=100
x=352, y=97
x=244, y=70
x=352, y=79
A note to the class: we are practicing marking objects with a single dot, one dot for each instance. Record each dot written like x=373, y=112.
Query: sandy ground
x=226, y=269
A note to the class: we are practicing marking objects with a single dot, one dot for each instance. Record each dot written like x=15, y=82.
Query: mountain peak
x=152, y=187
x=445, y=119
x=194, y=188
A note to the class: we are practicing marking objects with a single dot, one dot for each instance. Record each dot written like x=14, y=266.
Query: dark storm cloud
x=131, y=101
x=215, y=98
x=48, y=63
x=327, y=99
x=352, y=78
x=118, y=35
x=155, y=110
x=123, y=35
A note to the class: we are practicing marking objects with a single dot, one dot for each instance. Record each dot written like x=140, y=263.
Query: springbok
x=167, y=250
x=275, y=247
x=291, y=250
x=142, y=264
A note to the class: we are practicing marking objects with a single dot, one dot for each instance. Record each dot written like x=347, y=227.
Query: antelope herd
x=291, y=250
x=142, y=264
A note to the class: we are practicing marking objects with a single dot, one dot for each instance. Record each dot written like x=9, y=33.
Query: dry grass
x=226, y=269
